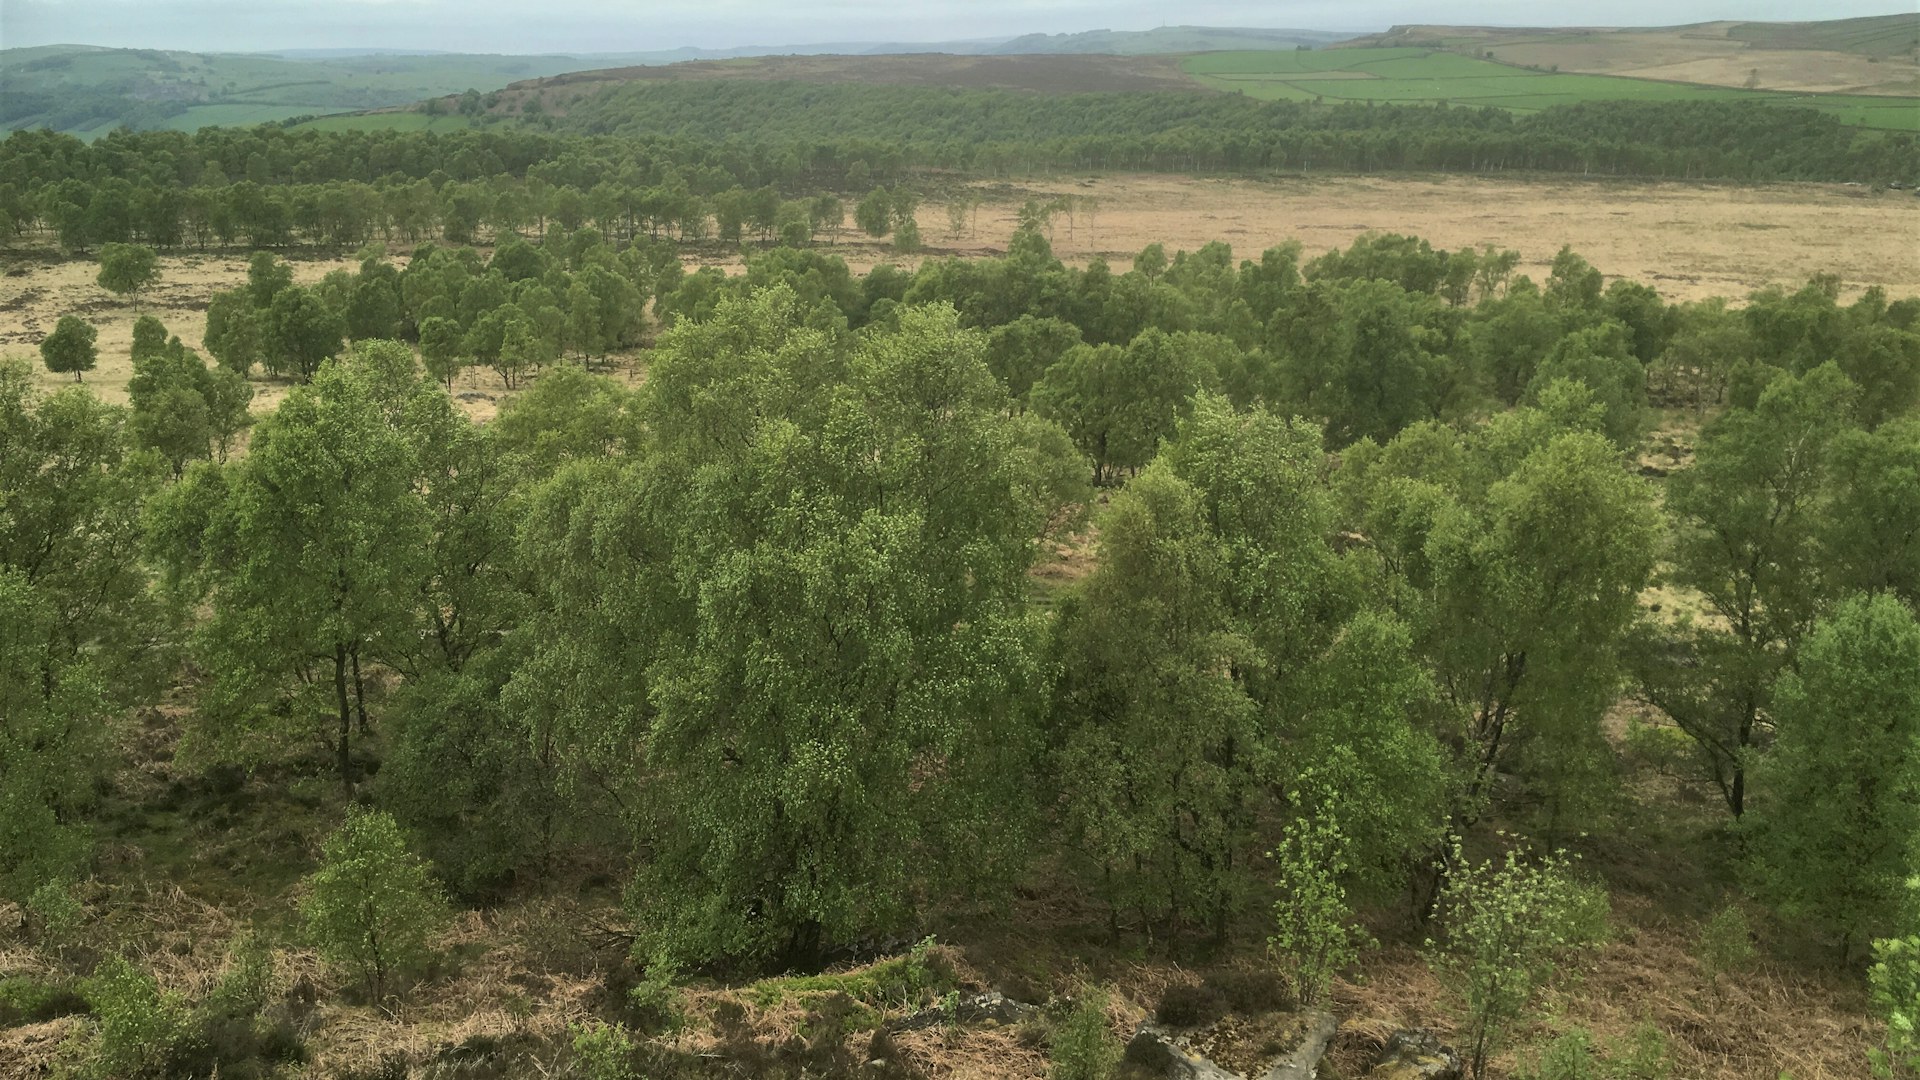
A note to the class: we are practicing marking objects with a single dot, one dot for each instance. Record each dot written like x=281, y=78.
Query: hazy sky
x=523, y=26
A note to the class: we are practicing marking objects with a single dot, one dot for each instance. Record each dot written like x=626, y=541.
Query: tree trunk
x=804, y=947
x=359, y=692
x=346, y=717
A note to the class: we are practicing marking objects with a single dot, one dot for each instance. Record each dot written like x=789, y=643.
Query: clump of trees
x=1365, y=579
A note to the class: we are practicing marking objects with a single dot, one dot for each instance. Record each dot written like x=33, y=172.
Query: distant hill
x=1037, y=73
x=1166, y=39
x=1876, y=55
x=1881, y=35
x=88, y=90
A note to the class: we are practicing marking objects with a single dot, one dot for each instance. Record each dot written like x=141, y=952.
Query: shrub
x=57, y=913
x=1725, y=944
x=1572, y=1056
x=247, y=981
x=1640, y=1056
x=655, y=1001
x=1569, y=1057
x=26, y=1000
x=1313, y=935
x=140, y=1028
x=1083, y=1047
x=1187, y=1005
x=1507, y=928
x=372, y=908
x=601, y=1052
x=1894, y=983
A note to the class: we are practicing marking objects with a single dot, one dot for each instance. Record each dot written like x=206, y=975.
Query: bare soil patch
x=1689, y=241
x=51, y=289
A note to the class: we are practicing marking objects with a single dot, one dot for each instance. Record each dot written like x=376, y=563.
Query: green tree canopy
x=371, y=908
x=70, y=347
x=1839, y=794
x=128, y=269
x=302, y=332
x=308, y=551
x=1748, y=519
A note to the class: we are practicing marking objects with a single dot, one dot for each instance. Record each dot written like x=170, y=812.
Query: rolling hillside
x=1420, y=74
x=86, y=90
x=1879, y=55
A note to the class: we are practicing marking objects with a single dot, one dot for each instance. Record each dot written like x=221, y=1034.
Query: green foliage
x=1748, y=519
x=371, y=908
x=1150, y=639
x=874, y=213
x=1867, y=530
x=1567, y=1057
x=1832, y=840
x=904, y=981
x=1523, y=546
x=1573, y=1055
x=57, y=914
x=1021, y=351
x=1083, y=1045
x=1508, y=926
x=1642, y=1055
x=1894, y=985
x=1362, y=356
x=803, y=622
x=180, y=409
x=235, y=334
x=28, y=1000
x=1724, y=946
x=301, y=333
x=1599, y=359
x=1119, y=403
x=246, y=983
x=49, y=736
x=1314, y=936
x=906, y=237
x=70, y=347
x=601, y=1052
x=139, y=1027
x=80, y=633
x=310, y=549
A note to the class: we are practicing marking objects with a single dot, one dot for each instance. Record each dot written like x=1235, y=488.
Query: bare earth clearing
x=1687, y=240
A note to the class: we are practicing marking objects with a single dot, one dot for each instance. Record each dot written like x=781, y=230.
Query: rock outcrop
x=1173, y=1052
x=1416, y=1055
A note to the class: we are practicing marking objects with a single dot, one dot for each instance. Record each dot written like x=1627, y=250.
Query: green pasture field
x=237, y=115
x=387, y=121
x=1404, y=75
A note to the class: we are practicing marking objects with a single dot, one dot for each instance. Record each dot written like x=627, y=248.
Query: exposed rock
x=1305, y=1059
x=988, y=1008
x=1159, y=1049
x=1416, y=1055
x=1172, y=1053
